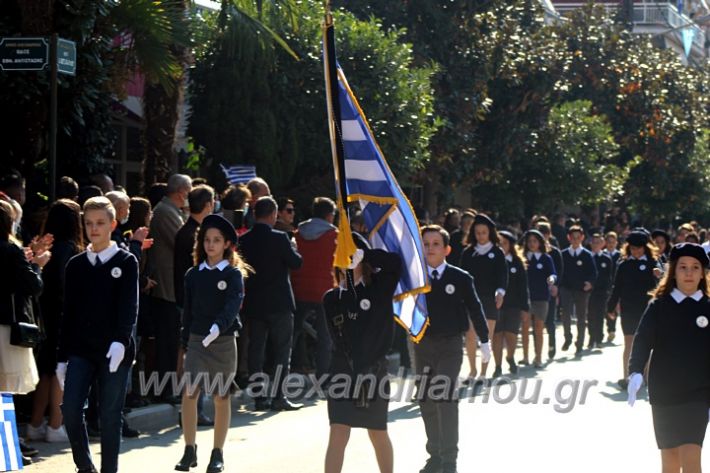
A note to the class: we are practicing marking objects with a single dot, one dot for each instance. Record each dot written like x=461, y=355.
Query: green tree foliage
x=253, y=103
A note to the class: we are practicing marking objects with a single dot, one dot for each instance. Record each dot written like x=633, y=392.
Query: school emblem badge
x=642, y=267
x=579, y=262
x=539, y=266
x=702, y=321
x=116, y=272
x=365, y=304
x=513, y=270
x=222, y=285
x=450, y=289
x=491, y=255
x=603, y=265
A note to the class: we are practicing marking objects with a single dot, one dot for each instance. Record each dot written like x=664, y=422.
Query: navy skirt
x=680, y=424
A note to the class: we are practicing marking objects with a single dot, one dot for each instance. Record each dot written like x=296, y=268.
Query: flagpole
x=345, y=247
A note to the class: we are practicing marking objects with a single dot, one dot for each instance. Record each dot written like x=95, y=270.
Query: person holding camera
x=359, y=315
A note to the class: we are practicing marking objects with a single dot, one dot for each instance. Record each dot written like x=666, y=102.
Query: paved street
x=603, y=435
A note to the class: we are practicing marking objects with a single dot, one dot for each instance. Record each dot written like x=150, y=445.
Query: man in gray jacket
x=167, y=220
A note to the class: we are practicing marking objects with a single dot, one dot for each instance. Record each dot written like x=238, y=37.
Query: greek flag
x=239, y=174
x=362, y=175
x=10, y=457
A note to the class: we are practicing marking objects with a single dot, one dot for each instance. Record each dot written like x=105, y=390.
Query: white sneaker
x=37, y=433
x=56, y=435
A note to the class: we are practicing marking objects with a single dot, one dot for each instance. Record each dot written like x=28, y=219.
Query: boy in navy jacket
x=450, y=304
x=576, y=285
x=96, y=340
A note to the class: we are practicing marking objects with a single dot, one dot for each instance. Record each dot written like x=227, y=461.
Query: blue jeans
x=81, y=373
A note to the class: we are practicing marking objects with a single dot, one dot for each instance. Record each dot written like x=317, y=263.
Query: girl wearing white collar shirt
x=634, y=278
x=484, y=260
x=675, y=328
x=214, y=290
x=542, y=276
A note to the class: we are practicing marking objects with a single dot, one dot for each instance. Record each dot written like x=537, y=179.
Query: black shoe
x=129, y=433
x=513, y=366
x=189, y=459
x=623, y=384
x=578, y=352
x=91, y=469
x=551, y=353
x=433, y=465
x=262, y=405
x=498, y=372
x=448, y=468
x=216, y=462
x=204, y=421
x=285, y=405
x=566, y=345
x=26, y=450
x=26, y=460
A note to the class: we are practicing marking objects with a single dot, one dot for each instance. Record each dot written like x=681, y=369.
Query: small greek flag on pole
x=10, y=456
x=239, y=173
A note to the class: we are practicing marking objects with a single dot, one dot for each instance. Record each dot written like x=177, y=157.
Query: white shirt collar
x=643, y=258
x=221, y=265
x=509, y=258
x=537, y=255
x=576, y=252
x=439, y=269
x=680, y=297
x=105, y=254
x=483, y=249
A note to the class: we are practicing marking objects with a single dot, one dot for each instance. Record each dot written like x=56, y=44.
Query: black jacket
x=489, y=271
x=678, y=334
x=451, y=302
x=517, y=296
x=269, y=252
x=184, y=247
x=632, y=283
x=366, y=318
x=20, y=282
x=578, y=269
x=605, y=273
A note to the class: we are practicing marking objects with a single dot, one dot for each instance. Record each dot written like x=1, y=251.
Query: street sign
x=24, y=54
x=66, y=56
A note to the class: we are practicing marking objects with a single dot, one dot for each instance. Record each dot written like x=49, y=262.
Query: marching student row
x=488, y=297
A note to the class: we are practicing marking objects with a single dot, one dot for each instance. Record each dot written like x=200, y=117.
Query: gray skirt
x=211, y=369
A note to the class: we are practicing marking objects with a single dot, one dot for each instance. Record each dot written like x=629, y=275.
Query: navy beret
x=222, y=224
x=534, y=232
x=660, y=233
x=509, y=236
x=690, y=249
x=637, y=238
x=483, y=219
x=361, y=242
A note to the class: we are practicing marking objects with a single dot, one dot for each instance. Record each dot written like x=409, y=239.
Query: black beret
x=535, y=233
x=361, y=242
x=222, y=224
x=642, y=230
x=637, y=238
x=509, y=236
x=690, y=249
x=483, y=219
x=660, y=233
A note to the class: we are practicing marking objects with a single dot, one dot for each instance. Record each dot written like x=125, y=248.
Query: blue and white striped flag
x=239, y=173
x=363, y=176
x=10, y=457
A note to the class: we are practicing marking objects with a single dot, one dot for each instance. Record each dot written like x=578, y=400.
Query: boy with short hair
x=600, y=293
x=576, y=285
x=450, y=303
x=96, y=340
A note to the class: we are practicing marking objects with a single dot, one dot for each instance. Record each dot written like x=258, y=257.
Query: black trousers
x=439, y=359
x=314, y=313
x=166, y=321
x=574, y=301
x=278, y=330
x=596, y=316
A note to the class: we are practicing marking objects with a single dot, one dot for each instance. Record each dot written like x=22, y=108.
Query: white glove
x=61, y=373
x=115, y=354
x=214, y=333
x=486, y=352
x=635, y=382
x=357, y=258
